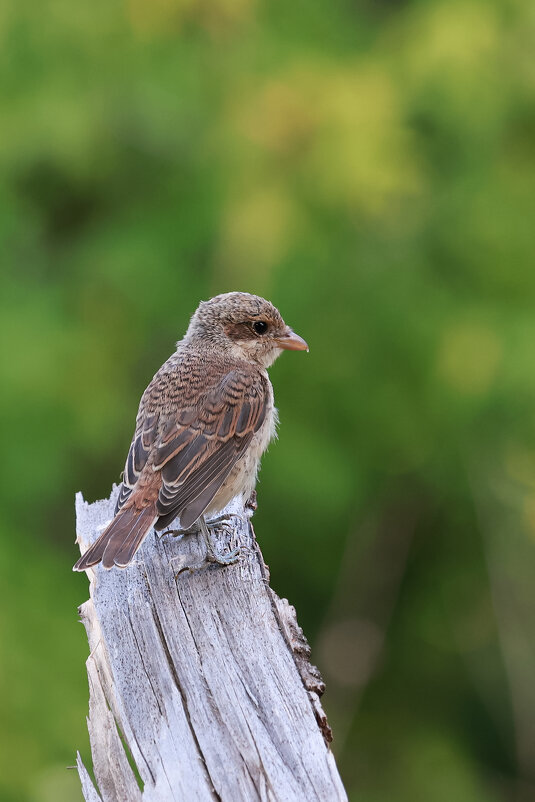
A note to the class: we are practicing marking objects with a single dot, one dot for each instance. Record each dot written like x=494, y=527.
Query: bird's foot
x=230, y=558
x=213, y=523
x=193, y=530
x=203, y=527
x=212, y=555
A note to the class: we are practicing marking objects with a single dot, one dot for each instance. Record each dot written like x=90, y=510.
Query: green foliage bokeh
x=369, y=167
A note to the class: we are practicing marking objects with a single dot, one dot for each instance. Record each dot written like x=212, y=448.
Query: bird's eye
x=260, y=326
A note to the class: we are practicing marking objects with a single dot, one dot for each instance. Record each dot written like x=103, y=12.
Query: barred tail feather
x=120, y=540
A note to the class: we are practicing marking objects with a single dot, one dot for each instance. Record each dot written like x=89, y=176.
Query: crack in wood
x=207, y=677
x=179, y=688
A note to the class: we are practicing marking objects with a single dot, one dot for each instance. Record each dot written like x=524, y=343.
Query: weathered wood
x=203, y=675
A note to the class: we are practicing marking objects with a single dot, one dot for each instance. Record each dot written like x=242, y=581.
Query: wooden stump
x=200, y=680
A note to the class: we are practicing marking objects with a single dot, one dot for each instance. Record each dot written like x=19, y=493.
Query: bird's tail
x=120, y=540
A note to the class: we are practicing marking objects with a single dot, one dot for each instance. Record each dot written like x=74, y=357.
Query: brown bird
x=203, y=423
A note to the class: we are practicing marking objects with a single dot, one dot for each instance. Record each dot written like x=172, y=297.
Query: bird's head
x=244, y=326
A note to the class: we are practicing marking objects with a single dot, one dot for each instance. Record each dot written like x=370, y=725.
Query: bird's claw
x=179, y=532
x=223, y=559
x=212, y=555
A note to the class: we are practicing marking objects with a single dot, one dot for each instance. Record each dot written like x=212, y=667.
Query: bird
x=203, y=423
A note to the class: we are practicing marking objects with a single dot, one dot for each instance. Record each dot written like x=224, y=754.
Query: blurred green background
x=369, y=167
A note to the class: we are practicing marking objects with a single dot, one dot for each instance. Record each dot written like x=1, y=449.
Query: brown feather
x=203, y=422
x=121, y=555
x=130, y=526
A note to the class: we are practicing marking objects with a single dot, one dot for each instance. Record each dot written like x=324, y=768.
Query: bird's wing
x=198, y=445
x=143, y=441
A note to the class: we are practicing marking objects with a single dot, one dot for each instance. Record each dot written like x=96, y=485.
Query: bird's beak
x=291, y=341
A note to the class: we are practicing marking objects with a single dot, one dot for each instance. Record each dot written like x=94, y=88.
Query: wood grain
x=202, y=676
